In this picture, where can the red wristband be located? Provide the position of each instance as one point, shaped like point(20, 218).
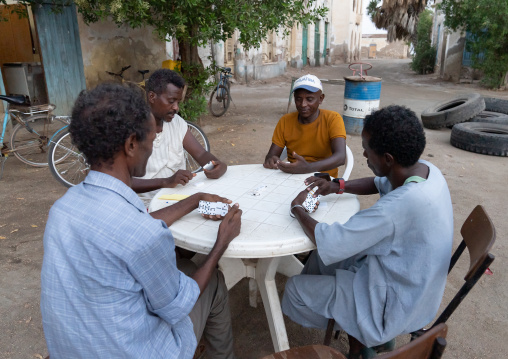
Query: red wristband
point(342, 184)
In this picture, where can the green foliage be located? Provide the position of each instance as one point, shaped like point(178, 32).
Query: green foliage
point(486, 20)
point(195, 103)
point(425, 54)
point(199, 21)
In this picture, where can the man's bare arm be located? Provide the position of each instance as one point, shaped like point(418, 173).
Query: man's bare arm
point(273, 156)
point(202, 156)
point(338, 158)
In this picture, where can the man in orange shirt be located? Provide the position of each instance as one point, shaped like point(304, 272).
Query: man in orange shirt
point(315, 139)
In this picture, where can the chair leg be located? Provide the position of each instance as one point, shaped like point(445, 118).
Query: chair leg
point(329, 332)
point(355, 348)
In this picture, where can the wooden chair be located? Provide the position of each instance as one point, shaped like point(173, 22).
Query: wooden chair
point(478, 235)
point(430, 345)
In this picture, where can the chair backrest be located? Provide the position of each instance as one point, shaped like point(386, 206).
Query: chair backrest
point(478, 235)
point(308, 352)
point(430, 345)
point(349, 161)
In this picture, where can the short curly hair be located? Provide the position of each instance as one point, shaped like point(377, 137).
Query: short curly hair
point(159, 80)
point(103, 119)
point(396, 130)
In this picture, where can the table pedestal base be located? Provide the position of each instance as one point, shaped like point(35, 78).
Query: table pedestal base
point(262, 274)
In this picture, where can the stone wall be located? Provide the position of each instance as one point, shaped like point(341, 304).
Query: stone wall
point(107, 47)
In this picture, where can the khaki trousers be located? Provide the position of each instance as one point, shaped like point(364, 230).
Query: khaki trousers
point(211, 316)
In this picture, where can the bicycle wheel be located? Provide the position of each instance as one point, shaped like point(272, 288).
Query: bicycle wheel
point(219, 101)
point(66, 163)
point(192, 164)
point(29, 143)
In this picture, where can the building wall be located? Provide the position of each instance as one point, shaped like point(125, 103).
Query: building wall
point(384, 49)
point(450, 48)
point(107, 47)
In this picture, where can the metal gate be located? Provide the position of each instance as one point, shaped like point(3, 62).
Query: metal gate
point(61, 55)
point(317, 38)
point(304, 45)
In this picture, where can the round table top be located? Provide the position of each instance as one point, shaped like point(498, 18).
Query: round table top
point(267, 229)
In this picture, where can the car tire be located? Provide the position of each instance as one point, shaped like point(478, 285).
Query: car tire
point(491, 117)
point(451, 112)
point(481, 137)
point(496, 105)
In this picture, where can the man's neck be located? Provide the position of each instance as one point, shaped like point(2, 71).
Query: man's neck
point(309, 119)
point(119, 172)
point(400, 174)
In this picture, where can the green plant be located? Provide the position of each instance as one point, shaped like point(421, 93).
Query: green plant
point(195, 103)
point(425, 54)
point(486, 21)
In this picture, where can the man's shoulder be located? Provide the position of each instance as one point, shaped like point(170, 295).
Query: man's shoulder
point(289, 117)
point(329, 114)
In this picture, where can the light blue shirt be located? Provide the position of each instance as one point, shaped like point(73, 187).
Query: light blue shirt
point(390, 260)
point(109, 284)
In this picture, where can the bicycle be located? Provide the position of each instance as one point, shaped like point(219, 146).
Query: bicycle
point(68, 165)
point(221, 95)
point(119, 75)
point(31, 135)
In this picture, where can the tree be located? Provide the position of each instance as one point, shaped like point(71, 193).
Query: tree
point(399, 17)
point(486, 22)
point(195, 22)
point(425, 54)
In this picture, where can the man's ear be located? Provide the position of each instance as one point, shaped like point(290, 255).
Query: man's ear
point(131, 145)
point(390, 161)
point(321, 98)
point(151, 96)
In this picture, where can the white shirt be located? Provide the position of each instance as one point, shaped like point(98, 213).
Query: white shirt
point(167, 155)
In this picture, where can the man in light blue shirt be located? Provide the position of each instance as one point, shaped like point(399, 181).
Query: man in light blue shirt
point(383, 272)
point(110, 286)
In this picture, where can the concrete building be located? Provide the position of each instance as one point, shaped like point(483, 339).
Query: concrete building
point(376, 46)
point(334, 39)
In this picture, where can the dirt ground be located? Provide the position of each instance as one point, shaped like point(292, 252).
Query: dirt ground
point(478, 328)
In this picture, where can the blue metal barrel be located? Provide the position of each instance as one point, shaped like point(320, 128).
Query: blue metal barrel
point(361, 97)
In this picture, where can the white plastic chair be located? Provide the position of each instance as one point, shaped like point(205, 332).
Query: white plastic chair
point(349, 161)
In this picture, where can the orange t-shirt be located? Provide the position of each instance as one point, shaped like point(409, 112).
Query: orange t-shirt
point(312, 140)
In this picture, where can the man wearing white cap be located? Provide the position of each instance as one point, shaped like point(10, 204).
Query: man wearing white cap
point(315, 138)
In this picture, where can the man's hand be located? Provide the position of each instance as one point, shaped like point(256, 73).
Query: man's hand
point(216, 172)
point(180, 177)
point(230, 227)
point(271, 162)
point(299, 166)
point(324, 187)
point(300, 198)
point(213, 198)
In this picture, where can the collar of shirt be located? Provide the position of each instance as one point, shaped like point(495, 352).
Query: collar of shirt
point(104, 180)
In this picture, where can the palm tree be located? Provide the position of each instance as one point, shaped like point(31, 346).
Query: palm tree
point(399, 17)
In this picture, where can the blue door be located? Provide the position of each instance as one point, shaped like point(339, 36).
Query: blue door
point(304, 45)
point(61, 55)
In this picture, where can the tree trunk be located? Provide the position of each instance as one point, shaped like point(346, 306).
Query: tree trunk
point(191, 62)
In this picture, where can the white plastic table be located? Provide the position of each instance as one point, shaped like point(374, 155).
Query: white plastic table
point(268, 233)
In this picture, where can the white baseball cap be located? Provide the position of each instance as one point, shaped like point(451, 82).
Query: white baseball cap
point(308, 82)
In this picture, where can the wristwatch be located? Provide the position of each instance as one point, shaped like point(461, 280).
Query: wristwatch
point(342, 184)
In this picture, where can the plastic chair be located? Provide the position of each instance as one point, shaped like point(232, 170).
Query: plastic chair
point(478, 235)
point(349, 161)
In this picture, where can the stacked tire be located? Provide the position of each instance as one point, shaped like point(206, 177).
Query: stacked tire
point(478, 124)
